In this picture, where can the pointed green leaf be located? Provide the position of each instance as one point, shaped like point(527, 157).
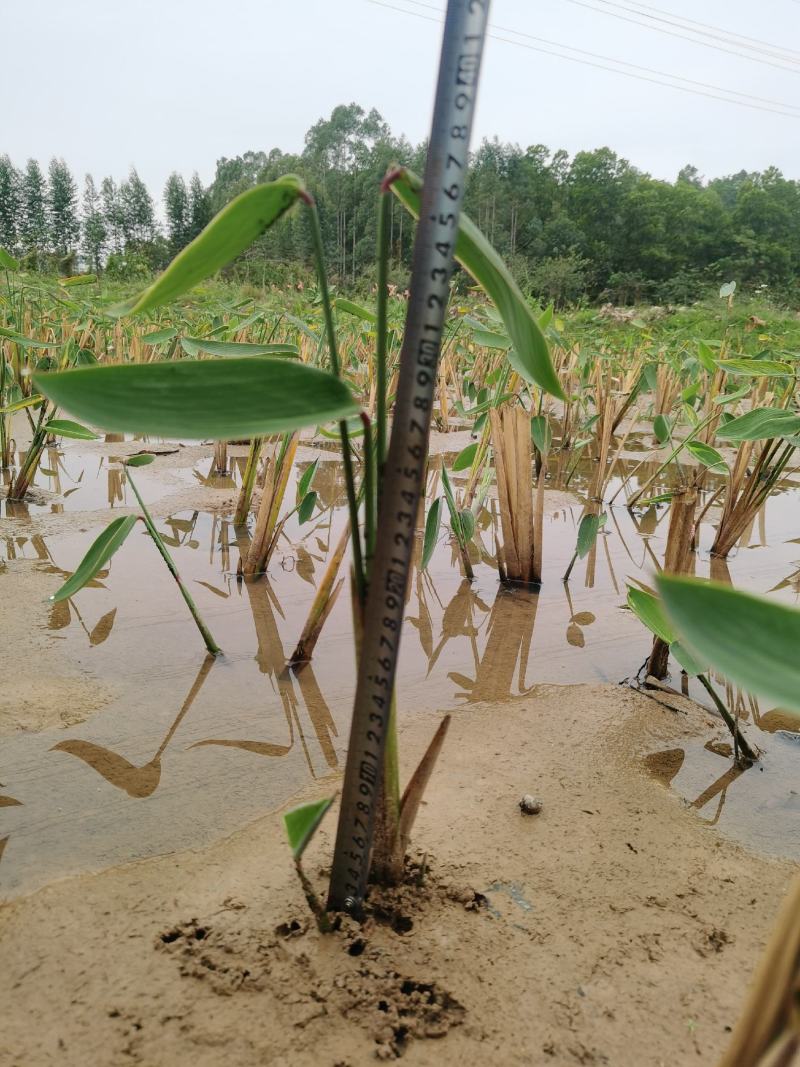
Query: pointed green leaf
point(706, 357)
point(530, 356)
point(142, 460)
point(301, 824)
point(648, 610)
point(25, 402)
point(228, 234)
point(542, 434)
point(307, 478)
point(7, 261)
point(690, 664)
point(588, 530)
point(486, 339)
point(465, 457)
point(432, 526)
point(77, 279)
point(193, 346)
point(707, 455)
point(98, 555)
point(67, 428)
point(661, 429)
point(757, 368)
point(467, 522)
point(750, 639)
point(307, 505)
point(221, 399)
point(158, 337)
point(357, 310)
point(761, 424)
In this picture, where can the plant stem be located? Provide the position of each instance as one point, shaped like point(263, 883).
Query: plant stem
point(210, 643)
point(384, 227)
point(347, 456)
point(738, 736)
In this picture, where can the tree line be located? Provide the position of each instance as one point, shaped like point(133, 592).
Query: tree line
point(591, 225)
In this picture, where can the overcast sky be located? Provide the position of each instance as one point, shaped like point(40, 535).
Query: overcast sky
point(174, 84)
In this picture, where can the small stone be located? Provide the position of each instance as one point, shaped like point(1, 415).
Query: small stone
point(530, 805)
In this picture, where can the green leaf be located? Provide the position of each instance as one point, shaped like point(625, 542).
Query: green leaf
point(764, 368)
point(28, 342)
point(357, 310)
point(228, 234)
point(432, 526)
point(486, 339)
point(221, 399)
point(588, 530)
point(530, 356)
point(707, 455)
point(691, 665)
point(301, 824)
point(66, 428)
point(98, 555)
point(661, 429)
point(761, 424)
point(25, 402)
point(307, 478)
point(7, 261)
point(750, 639)
point(158, 337)
point(193, 346)
point(465, 457)
point(467, 522)
point(648, 610)
point(542, 434)
point(77, 279)
point(706, 357)
point(307, 505)
point(143, 460)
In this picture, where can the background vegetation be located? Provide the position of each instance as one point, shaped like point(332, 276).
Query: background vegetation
point(591, 226)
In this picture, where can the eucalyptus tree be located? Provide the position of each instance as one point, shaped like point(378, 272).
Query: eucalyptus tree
point(33, 214)
point(94, 232)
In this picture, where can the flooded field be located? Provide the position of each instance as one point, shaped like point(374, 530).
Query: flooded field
point(187, 750)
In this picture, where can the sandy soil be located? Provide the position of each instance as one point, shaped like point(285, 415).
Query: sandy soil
point(613, 928)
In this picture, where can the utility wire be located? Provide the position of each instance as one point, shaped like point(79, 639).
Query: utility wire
point(600, 62)
point(682, 36)
point(790, 54)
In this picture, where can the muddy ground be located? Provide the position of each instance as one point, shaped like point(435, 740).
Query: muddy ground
point(612, 928)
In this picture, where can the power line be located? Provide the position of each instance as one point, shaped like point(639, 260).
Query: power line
point(600, 62)
point(791, 54)
point(682, 36)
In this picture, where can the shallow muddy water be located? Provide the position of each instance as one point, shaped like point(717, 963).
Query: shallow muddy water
point(191, 749)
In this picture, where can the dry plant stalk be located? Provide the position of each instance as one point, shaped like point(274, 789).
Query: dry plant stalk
point(520, 558)
point(748, 488)
point(265, 535)
point(768, 1031)
point(677, 560)
point(327, 592)
point(221, 457)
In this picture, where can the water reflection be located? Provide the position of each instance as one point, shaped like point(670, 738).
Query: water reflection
point(141, 781)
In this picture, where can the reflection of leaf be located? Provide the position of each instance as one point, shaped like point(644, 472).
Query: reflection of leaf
point(305, 565)
point(119, 772)
point(575, 636)
point(9, 802)
point(59, 616)
point(462, 680)
point(3, 843)
point(583, 618)
point(213, 589)
point(260, 748)
point(103, 628)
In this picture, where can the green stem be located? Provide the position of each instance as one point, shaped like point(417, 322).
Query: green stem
point(370, 496)
point(384, 229)
point(210, 643)
point(347, 456)
point(738, 736)
point(248, 481)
